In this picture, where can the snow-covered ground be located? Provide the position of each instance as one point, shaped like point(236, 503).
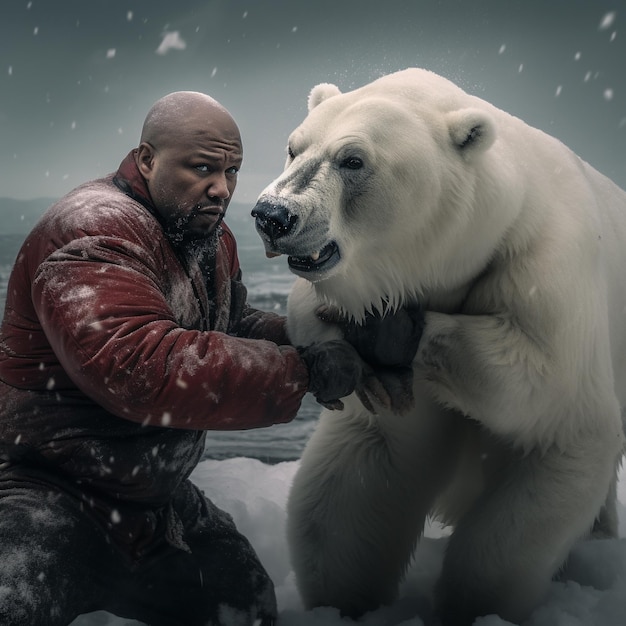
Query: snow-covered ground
point(255, 495)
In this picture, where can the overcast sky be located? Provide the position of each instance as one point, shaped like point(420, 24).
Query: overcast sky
point(77, 76)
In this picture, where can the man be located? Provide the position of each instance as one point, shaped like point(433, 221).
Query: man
point(126, 336)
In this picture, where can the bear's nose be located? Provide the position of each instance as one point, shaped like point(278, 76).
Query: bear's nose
point(274, 220)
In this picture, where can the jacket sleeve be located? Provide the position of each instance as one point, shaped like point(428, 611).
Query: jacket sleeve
point(263, 325)
point(99, 302)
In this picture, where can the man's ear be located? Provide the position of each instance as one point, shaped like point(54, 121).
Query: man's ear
point(144, 157)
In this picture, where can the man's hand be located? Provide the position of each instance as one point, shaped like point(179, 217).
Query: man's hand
point(336, 370)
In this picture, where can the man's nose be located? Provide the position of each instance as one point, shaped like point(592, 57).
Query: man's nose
point(218, 187)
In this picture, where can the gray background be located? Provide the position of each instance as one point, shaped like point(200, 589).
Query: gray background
point(77, 77)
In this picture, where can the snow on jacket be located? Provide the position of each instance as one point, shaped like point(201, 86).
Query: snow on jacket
point(116, 356)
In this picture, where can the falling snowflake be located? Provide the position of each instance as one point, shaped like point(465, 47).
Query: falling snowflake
point(607, 20)
point(502, 49)
point(171, 41)
point(129, 16)
point(558, 90)
point(110, 53)
point(608, 94)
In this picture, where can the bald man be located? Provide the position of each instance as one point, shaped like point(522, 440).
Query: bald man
point(126, 336)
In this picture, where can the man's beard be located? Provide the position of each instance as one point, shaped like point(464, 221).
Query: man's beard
point(179, 233)
point(201, 248)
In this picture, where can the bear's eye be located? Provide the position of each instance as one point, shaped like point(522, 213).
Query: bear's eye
point(290, 153)
point(352, 163)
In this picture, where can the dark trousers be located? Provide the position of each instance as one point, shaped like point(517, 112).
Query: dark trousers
point(57, 562)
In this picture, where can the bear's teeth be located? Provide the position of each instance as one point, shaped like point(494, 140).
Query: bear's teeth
point(315, 256)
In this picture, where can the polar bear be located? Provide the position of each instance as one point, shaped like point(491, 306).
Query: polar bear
point(407, 190)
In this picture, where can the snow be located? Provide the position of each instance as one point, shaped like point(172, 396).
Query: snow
point(607, 20)
point(171, 41)
point(592, 592)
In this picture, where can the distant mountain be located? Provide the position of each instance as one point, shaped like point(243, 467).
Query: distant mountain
point(17, 217)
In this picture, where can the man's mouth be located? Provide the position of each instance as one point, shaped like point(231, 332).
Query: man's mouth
point(320, 261)
point(213, 210)
point(211, 216)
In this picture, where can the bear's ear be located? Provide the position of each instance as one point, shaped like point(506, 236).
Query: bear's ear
point(321, 92)
point(471, 130)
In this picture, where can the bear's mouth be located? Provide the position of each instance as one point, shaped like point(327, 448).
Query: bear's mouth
point(321, 261)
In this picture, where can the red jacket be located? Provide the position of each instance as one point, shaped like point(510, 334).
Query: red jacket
point(115, 354)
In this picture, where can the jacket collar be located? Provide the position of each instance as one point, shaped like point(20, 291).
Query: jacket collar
point(129, 180)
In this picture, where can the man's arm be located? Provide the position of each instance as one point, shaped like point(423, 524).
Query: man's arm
point(111, 328)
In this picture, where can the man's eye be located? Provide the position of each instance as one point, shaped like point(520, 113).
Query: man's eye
point(202, 168)
point(232, 170)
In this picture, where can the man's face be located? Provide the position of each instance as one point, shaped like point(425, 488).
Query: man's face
point(191, 179)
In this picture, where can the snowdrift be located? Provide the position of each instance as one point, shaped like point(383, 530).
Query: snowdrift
point(592, 592)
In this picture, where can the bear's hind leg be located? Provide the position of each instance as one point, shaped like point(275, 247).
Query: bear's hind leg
point(505, 551)
point(607, 522)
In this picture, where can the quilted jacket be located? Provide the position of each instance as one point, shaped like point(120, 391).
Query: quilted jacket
point(119, 350)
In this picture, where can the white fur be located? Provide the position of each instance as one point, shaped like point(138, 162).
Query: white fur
point(517, 249)
point(320, 93)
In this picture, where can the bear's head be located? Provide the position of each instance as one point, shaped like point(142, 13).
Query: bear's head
point(381, 200)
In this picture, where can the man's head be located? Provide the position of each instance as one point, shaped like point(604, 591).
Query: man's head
point(189, 154)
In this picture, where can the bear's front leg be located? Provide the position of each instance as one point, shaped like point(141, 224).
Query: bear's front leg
point(303, 325)
point(359, 499)
point(531, 388)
